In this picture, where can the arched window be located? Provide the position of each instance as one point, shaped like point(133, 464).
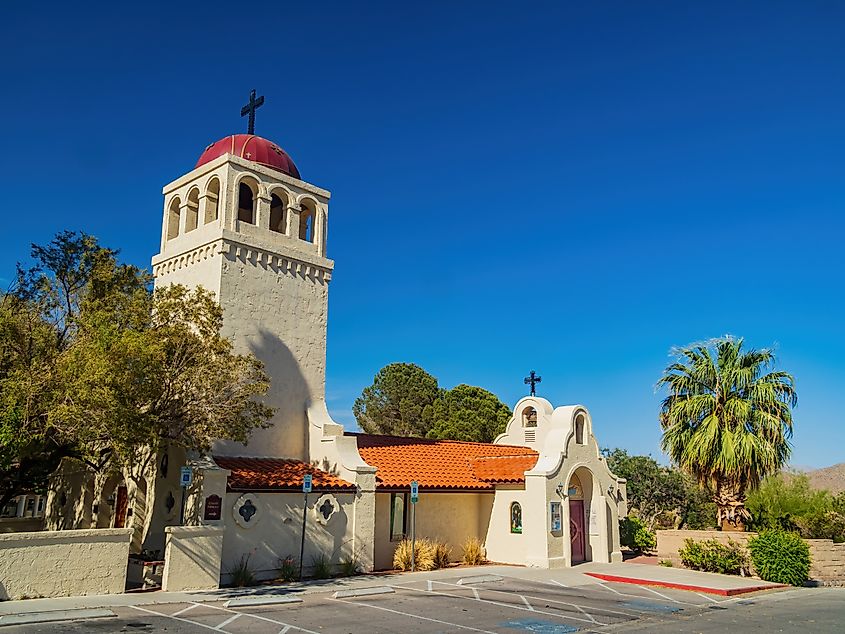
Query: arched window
point(193, 210)
point(173, 218)
point(306, 221)
point(277, 214)
point(516, 517)
point(579, 429)
point(529, 417)
point(212, 196)
point(246, 203)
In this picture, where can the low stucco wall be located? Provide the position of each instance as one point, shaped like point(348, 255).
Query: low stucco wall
point(827, 560)
point(192, 558)
point(63, 563)
point(21, 524)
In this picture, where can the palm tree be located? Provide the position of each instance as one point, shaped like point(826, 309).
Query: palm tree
point(727, 421)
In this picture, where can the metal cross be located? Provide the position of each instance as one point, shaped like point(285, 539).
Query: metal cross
point(250, 109)
point(532, 380)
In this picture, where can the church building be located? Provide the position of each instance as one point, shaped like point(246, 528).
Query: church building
point(246, 225)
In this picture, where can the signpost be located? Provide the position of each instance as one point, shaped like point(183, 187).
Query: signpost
point(415, 496)
point(306, 489)
point(186, 477)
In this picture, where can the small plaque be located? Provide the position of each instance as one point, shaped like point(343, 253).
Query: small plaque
point(186, 476)
point(213, 507)
point(555, 517)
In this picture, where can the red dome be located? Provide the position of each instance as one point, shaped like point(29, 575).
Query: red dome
point(253, 148)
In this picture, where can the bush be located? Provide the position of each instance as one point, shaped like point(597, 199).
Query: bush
point(710, 555)
point(423, 555)
point(321, 567)
point(242, 574)
point(821, 525)
point(441, 554)
point(350, 566)
point(634, 535)
point(473, 553)
point(288, 569)
point(781, 557)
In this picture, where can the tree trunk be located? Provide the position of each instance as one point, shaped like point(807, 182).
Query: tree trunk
point(730, 504)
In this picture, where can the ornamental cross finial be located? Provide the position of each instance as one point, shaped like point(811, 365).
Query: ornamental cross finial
point(532, 380)
point(250, 109)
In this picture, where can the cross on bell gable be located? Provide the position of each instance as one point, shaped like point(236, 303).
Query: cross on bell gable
point(532, 379)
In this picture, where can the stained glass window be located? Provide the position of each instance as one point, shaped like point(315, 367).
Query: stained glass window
point(516, 517)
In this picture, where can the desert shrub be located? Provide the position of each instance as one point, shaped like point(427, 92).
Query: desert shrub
point(423, 555)
point(781, 557)
point(241, 573)
point(321, 567)
point(634, 534)
point(822, 525)
point(442, 554)
point(288, 568)
point(350, 566)
point(781, 501)
point(710, 555)
point(473, 553)
point(666, 563)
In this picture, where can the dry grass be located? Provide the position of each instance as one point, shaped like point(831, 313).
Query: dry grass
point(473, 552)
point(441, 554)
point(423, 557)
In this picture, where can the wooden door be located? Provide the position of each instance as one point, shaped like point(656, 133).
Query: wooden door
point(576, 530)
point(120, 507)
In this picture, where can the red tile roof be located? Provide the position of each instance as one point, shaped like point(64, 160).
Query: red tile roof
point(273, 474)
point(443, 464)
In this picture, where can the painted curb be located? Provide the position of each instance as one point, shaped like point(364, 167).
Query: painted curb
point(31, 618)
point(723, 592)
point(463, 581)
point(362, 592)
point(243, 602)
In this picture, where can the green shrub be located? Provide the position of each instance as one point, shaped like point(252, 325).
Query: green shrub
point(321, 567)
point(822, 525)
point(781, 557)
point(350, 566)
point(710, 555)
point(288, 569)
point(242, 574)
point(666, 563)
point(634, 535)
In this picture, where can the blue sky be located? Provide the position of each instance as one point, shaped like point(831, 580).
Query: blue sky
point(568, 187)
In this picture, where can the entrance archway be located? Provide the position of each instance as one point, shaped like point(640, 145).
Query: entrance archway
point(579, 493)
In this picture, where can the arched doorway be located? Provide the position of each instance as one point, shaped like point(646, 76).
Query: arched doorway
point(579, 493)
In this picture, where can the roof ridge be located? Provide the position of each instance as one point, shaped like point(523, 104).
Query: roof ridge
point(434, 440)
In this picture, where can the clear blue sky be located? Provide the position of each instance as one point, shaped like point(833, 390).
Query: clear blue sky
point(568, 187)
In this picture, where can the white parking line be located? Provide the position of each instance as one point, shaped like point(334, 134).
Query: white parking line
point(704, 596)
point(261, 618)
point(175, 618)
point(659, 594)
point(227, 621)
point(183, 610)
point(530, 607)
point(601, 584)
point(415, 616)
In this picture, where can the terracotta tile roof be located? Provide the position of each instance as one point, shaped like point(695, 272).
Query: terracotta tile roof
point(443, 464)
point(275, 474)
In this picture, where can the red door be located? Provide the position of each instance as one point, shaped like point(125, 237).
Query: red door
point(576, 530)
point(120, 508)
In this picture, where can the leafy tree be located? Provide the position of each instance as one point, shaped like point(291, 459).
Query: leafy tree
point(468, 413)
point(727, 420)
point(95, 365)
point(658, 495)
point(400, 401)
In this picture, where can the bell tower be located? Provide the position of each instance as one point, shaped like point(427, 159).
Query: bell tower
point(244, 225)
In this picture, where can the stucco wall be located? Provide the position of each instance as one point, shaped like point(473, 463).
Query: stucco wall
point(192, 558)
point(276, 529)
point(21, 524)
point(447, 517)
point(64, 563)
point(502, 545)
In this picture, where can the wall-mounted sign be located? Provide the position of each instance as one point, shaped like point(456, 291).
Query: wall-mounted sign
point(415, 492)
point(213, 507)
point(555, 517)
point(306, 483)
point(594, 522)
point(186, 476)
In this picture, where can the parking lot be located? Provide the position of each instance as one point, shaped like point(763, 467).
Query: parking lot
point(500, 604)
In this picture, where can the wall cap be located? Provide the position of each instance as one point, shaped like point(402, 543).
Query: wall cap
point(193, 531)
point(67, 535)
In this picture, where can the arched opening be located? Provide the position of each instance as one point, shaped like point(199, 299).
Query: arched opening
point(278, 206)
point(529, 417)
point(516, 518)
point(306, 221)
point(246, 202)
point(212, 196)
point(192, 213)
point(173, 218)
point(580, 424)
point(579, 494)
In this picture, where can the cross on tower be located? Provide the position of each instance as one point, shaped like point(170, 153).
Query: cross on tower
point(250, 109)
point(532, 380)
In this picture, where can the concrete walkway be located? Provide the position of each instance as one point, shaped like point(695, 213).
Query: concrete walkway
point(40, 610)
